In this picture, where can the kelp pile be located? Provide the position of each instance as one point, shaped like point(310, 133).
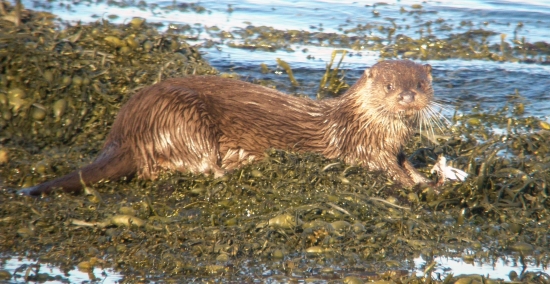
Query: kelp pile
point(287, 218)
point(471, 44)
point(392, 41)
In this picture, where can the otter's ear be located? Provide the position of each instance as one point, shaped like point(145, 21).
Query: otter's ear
point(428, 68)
point(368, 73)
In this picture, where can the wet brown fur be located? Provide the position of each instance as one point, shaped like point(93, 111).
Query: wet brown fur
point(208, 124)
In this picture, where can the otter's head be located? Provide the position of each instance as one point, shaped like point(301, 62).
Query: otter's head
point(400, 87)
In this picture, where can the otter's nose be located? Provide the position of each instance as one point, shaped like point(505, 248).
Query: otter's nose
point(406, 97)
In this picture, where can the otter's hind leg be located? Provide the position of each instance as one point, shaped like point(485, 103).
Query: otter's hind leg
point(195, 140)
point(177, 133)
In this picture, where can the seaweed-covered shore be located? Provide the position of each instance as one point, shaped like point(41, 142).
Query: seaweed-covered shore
point(288, 218)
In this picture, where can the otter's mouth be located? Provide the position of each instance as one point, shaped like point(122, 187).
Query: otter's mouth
point(405, 114)
point(408, 108)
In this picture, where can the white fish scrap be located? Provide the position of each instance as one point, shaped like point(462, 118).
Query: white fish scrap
point(446, 172)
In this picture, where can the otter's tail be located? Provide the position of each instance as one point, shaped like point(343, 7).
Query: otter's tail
point(112, 164)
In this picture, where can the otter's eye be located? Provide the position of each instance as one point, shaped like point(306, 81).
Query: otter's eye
point(420, 85)
point(389, 87)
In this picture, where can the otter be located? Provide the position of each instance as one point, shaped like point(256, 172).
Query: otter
point(212, 125)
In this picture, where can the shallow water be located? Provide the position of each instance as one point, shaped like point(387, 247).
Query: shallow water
point(498, 269)
point(27, 270)
point(460, 83)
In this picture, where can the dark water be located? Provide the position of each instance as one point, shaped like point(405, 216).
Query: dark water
point(463, 83)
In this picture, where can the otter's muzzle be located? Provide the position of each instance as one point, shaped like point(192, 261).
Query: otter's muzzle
point(406, 97)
